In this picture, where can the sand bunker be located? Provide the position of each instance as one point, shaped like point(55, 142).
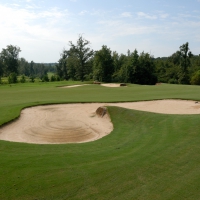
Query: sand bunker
point(68, 123)
point(72, 86)
point(106, 85)
point(111, 85)
point(77, 123)
point(164, 106)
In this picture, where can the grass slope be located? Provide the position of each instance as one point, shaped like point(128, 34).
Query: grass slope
point(147, 156)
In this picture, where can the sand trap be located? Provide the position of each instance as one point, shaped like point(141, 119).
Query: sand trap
point(111, 85)
point(164, 106)
point(72, 86)
point(77, 123)
point(66, 123)
point(106, 85)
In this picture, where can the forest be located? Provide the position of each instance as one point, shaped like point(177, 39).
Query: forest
point(80, 62)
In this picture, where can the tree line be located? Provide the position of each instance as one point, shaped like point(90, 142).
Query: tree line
point(182, 67)
point(11, 66)
point(80, 62)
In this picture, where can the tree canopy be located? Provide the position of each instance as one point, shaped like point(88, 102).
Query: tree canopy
point(81, 53)
point(74, 63)
point(103, 65)
point(9, 59)
point(80, 62)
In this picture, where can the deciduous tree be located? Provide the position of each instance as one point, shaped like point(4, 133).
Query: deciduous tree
point(9, 57)
point(103, 65)
point(144, 73)
point(62, 65)
point(185, 55)
point(196, 78)
point(82, 52)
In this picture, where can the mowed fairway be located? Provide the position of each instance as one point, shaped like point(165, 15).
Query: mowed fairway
point(147, 156)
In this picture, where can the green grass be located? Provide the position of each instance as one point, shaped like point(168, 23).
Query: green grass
point(50, 74)
point(4, 80)
point(147, 156)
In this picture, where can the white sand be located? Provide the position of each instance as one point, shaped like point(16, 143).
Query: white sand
point(77, 123)
point(66, 123)
point(106, 85)
point(72, 86)
point(111, 85)
point(164, 106)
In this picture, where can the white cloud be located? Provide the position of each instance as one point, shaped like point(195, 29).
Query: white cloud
point(37, 29)
point(147, 16)
point(116, 28)
point(53, 13)
point(163, 15)
point(156, 15)
point(83, 12)
point(16, 5)
point(29, 28)
point(126, 14)
point(98, 13)
point(26, 21)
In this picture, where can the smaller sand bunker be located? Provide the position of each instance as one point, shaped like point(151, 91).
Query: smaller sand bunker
point(72, 86)
point(98, 83)
point(114, 85)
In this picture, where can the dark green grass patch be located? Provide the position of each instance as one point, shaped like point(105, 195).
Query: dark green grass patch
point(147, 156)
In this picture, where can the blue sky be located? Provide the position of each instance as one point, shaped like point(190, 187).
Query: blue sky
point(43, 28)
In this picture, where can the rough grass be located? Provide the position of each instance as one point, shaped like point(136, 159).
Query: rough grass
point(147, 156)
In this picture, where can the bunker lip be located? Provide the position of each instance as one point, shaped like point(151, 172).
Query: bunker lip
point(78, 123)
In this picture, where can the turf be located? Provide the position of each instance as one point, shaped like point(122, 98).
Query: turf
point(147, 156)
point(15, 97)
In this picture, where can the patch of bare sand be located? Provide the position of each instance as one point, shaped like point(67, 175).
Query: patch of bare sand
point(72, 86)
point(66, 123)
point(164, 106)
point(77, 123)
point(111, 85)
